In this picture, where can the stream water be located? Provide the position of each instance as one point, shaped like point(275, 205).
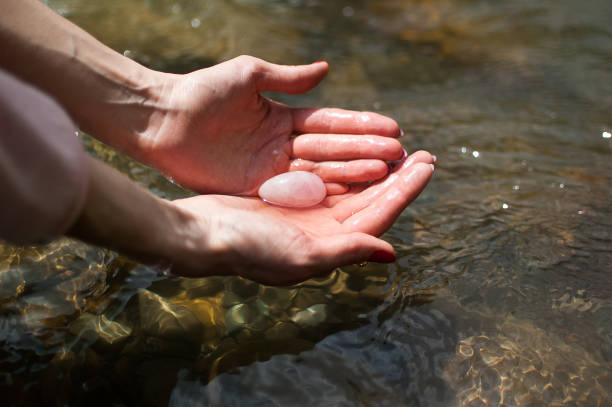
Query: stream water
point(502, 290)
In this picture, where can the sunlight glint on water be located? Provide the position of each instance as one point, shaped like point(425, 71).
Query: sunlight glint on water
point(502, 288)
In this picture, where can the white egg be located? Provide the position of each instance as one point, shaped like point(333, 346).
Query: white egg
point(296, 189)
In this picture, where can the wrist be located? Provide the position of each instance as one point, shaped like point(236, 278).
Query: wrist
point(192, 248)
point(179, 239)
point(122, 113)
point(142, 126)
point(123, 216)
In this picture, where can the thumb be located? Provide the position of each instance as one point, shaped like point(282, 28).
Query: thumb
point(350, 248)
point(290, 79)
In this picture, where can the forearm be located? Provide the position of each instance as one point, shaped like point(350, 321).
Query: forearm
point(107, 94)
point(125, 217)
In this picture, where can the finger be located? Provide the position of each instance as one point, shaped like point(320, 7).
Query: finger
point(377, 217)
point(331, 120)
point(330, 252)
point(334, 188)
point(343, 171)
point(331, 201)
point(286, 78)
point(361, 196)
point(327, 147)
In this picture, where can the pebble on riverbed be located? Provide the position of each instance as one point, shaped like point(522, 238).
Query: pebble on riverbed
point(296, 189)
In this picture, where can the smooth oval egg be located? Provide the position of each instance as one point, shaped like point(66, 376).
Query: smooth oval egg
point(295, 189)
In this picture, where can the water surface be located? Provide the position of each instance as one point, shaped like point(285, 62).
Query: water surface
point(502, 292)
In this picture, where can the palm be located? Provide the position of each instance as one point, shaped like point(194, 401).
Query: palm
point(286, 245)
point(225, 137)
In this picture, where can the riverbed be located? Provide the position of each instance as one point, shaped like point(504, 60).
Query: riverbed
point(502, 289)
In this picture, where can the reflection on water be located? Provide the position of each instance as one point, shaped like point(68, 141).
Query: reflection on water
point(501, 294)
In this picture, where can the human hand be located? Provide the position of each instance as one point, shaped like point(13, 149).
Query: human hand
point(209, 130)
point(213, 131)
point(281, 246)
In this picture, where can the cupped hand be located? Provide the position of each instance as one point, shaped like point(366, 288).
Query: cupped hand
point(281, 246)
point(215, 133)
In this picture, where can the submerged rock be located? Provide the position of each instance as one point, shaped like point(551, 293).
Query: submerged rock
point(311, 316)
point(237, 317)
point(99, 327)
point(523, 365)
point(161, 318)
point(252, 316)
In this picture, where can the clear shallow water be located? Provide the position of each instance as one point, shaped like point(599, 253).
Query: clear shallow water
point(501, 294)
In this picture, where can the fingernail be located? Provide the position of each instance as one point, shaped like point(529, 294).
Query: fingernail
point(432, 167)
point(401, 133)
point(434, 158)
point(382, 256)
point(395, 163)
point(318, 62)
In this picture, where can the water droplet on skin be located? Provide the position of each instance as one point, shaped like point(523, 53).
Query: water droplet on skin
point(338, 115)
point(393, 196)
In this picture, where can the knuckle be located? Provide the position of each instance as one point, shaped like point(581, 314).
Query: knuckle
point(250, 66)
point(300, 164)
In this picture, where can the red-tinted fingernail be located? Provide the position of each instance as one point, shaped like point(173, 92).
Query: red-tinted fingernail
point(382, 256)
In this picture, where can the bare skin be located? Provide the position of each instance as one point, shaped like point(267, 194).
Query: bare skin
point(209, 130)
point(212, 131)
point(230, 235)
point(243, 138)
